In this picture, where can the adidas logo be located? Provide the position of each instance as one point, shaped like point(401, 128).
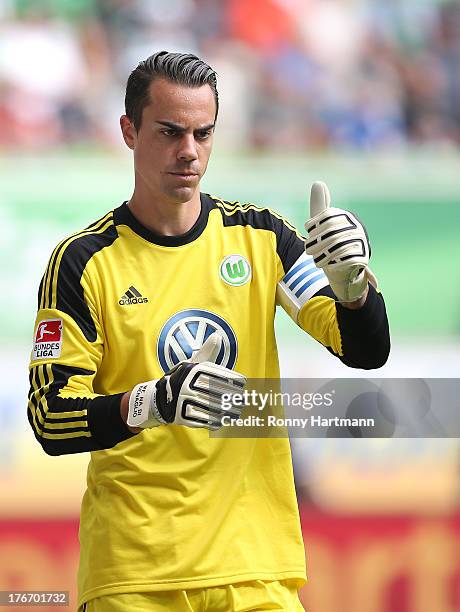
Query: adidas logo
point(132, 296)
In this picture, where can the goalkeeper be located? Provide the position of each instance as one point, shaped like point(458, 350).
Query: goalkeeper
point(150, 315)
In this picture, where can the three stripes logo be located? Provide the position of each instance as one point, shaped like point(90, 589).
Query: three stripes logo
point(132, 296)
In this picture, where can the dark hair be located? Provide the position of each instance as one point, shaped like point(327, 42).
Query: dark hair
point(181, 68)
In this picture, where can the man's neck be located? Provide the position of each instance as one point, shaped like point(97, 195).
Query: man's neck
point(166, 218)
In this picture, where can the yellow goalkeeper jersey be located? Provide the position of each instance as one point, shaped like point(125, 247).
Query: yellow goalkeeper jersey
point(171, 507)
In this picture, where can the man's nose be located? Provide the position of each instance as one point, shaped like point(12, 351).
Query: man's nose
point(187, 150)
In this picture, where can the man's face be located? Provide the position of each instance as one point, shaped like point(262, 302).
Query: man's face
point(173, 144)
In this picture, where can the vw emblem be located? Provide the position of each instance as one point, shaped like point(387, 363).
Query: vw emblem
point(186, 331)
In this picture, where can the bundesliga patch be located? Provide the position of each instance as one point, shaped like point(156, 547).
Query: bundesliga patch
point(48, 339)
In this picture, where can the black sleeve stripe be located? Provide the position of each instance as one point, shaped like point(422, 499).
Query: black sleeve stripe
point(59, 407)
point(39, 387)
point(56, 416)
point(97, 224)
point(72, 425)
point(228, 206)
point(47, 275)
point(56, 266)
point(232, 207)
point(365, 333)
point(289, 243)
point(45, 282)
point(59, 434)
point(45, 288)
point(33, 401)
point(68, 289)
point(40, 291)
point(60, 253)
point(42, 383)
point(31, 396)
point(46, 382)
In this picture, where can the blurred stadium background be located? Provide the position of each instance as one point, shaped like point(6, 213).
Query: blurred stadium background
point(364, 94)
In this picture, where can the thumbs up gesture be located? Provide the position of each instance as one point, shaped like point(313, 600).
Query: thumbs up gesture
point(339, 244)
point(196, 392)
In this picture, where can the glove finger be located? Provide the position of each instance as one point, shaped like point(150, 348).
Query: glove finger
point(320, 198)
point(354, 243)
point(354, 251)
point(222, 371)
point(210, 349)
point(206, 400)
point(332, 220)
point(348, 251)
point(215, 388)
point(200, 424)
point(219, 375)
point(329, 264)
point(205, 424)
point(334, 237)
point(193, 414)
point(201, 408)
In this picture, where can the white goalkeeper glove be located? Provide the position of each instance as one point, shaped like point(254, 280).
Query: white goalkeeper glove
point(188, 394)
point(339, 244)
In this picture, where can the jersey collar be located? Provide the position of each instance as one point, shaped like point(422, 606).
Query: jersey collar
point(123, 216)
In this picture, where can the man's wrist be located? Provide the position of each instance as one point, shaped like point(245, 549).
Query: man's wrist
point(124, 407)
point(357, 304)
point(142, 409)
point(105, 420)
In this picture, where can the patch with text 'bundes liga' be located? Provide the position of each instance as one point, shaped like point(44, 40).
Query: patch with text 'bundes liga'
point(48, 339)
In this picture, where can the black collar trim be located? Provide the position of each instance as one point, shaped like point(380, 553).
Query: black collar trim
point(123, 216)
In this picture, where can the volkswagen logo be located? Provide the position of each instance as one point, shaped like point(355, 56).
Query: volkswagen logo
point(186, 331)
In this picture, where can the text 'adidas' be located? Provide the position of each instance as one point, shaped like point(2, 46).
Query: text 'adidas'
point(132, 296)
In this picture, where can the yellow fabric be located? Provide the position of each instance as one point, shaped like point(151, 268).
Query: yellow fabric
point(148, 498)
point(318, 318)
point(256, 595)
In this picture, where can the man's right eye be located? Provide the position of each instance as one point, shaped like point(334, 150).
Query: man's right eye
point(169, 132)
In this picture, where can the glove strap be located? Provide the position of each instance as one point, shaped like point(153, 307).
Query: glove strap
point(142, 410)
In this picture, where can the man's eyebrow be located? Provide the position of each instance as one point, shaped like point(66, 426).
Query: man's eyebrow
point(206, 128)
point(180, 128)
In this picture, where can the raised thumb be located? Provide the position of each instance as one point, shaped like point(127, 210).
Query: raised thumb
point(210, 349)
point(320, 198)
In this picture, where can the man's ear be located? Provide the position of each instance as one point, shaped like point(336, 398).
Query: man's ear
point(129, 131)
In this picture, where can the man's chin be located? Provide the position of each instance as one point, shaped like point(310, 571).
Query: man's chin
point(183, 193)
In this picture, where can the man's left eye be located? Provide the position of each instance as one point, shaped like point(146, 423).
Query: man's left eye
point(203, 135)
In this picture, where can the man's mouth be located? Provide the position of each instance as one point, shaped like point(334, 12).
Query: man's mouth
point(186, 176)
